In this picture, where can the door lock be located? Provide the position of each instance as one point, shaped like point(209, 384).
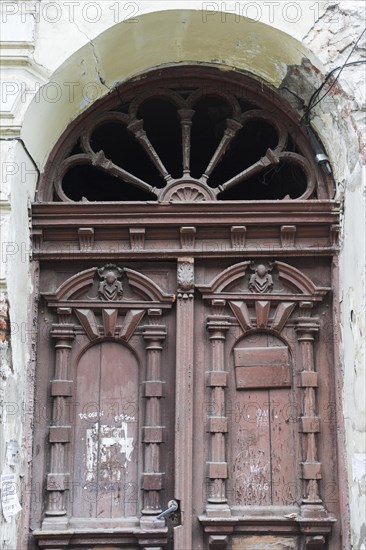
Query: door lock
point(172, 507)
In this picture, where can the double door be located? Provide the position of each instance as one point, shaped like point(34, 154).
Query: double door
point(194, 381)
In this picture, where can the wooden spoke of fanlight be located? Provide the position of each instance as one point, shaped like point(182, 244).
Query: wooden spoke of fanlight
point(137, 129)
point(102, 163)
point(186, 123)
point(232, 128)
point(272, 159)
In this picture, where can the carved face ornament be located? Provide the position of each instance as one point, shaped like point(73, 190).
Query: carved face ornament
point(110, 288)
point(261, 280)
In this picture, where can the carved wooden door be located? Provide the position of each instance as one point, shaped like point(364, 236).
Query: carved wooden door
point(108, 378)
point(263, 412)
point(187, 353)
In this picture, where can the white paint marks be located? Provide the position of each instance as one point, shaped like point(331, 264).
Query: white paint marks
point(91, 415)
point(126, 417)
point(262, 418)
point(104, 444)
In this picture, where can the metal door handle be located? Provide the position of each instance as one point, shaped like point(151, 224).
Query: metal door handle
point(172, 507)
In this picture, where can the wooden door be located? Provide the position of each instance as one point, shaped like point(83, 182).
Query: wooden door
point(203, 235)
point(259, 436)
point(106, 369)
point(208, 396)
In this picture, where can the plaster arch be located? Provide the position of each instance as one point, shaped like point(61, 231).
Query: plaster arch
point(96, 69)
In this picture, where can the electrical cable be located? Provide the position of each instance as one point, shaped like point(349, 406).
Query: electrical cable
point(320, 156)
point(311, 103)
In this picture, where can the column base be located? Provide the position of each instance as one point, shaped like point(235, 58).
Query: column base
point(219, 510)
point(148, 523)
point(55, 523)
point(313, 511)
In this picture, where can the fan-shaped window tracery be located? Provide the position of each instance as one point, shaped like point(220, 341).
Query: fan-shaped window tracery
point(197, 143)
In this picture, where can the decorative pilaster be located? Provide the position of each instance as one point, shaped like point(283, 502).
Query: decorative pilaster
point(153, 432)
point(217, 423)
point(184, 401)
point(306, 329)
point(60, 430)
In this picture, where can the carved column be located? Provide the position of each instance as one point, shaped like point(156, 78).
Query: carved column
point(306, 329)
point(184, 401)
point(60, 430)
point(217, 471)
point(153, 431)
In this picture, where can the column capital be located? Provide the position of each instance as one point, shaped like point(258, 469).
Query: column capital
point(219, 324)
point(154, 332)
point(305, 325)
point(62, 332)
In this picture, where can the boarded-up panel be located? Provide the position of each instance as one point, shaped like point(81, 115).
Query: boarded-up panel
point(262, 367)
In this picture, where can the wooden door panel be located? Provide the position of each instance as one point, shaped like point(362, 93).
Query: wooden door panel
point(85, 473)
point(262, 430)
point(251, 450)
point(106, 432)
point(285, 448)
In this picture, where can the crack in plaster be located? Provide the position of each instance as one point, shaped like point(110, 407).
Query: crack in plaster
point(96, 59)
point(42, 70)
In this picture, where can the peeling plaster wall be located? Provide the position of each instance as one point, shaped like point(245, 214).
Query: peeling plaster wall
point(16, 378)
point(40, 43)
point(348, 120)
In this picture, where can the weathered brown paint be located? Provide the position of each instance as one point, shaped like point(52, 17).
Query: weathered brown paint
point(245, 454)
